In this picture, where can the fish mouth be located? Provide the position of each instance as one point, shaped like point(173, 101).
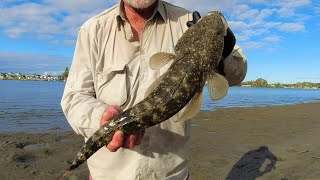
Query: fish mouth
point(213, 12)
point(223, 19)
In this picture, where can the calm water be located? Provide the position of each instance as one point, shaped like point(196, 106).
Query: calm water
point(33, 106)
point(249, 97)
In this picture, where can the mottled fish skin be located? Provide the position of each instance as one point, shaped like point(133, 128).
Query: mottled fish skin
point(197, 52)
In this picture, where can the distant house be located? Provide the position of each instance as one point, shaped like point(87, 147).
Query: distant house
point(12, 76)
point(29, 77)
point(44, 77)
point(47, 77)
point(35, 76)
point(54, 78)
point(19, 75)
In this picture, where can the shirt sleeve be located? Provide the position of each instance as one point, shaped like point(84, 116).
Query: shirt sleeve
point(235, 66)
point(79, 104)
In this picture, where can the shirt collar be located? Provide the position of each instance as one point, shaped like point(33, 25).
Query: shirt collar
point(158, 9)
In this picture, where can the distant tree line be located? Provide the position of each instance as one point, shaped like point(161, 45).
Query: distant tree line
point(264, 83)
point(65, 74)
point(35, 77)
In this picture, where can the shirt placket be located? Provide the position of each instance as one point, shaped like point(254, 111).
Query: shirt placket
point(144, 163)
point(145, 74)
point(143, 79)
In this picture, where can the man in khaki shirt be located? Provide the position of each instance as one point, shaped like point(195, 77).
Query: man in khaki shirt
point(110, 73)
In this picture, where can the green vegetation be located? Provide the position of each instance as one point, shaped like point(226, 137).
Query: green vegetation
point(264, 83)
point(65, 74)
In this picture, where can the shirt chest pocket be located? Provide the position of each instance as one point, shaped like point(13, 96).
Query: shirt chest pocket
point(112, 85)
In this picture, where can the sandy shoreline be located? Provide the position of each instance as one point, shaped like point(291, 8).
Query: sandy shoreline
point(278, 142)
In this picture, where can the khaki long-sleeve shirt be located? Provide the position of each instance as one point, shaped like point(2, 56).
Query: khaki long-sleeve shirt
point(110, 68)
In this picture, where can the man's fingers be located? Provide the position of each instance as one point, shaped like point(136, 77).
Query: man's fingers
point(130, 141)
point(118, 108)
point(109, 113)
point(116, 142)
point(134, 140)
point(118, 139)
point(139, 137)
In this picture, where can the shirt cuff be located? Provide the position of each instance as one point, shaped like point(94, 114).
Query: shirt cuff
point(88, 130)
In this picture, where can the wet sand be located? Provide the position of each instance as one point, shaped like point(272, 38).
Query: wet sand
point(279, 142)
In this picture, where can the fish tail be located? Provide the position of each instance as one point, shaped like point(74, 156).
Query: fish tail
point(99, 139)
point(67, 173)
point(93, 144)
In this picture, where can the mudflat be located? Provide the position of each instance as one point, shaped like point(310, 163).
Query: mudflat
point(276, 142)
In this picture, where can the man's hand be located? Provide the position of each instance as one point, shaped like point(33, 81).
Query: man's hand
point(119, 140)
point(195, 18)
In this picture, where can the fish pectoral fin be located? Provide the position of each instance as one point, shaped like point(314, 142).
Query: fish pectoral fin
point(158, 60)
point(218, 86)
point(153, 86)
point(192, 108)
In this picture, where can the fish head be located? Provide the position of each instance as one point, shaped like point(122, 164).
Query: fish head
point(212, 27)
point(210, 22)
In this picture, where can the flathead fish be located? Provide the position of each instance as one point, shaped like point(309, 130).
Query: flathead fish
point(197, 55)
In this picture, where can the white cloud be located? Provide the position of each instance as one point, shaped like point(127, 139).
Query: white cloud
point(288, 7)
point(29, 18)
point(31, 62)
point(45, 36)
point(317, 10)
point(50, 18)
point(246, 35)
point(291, 27)
point(47, 18)
point(252, 45)
point(272, 38)
point(69, 42)
point(254, 20)
point(14, 32)
point(293, 4)
point(76, 6)
point(239, 25)
point(243, 12)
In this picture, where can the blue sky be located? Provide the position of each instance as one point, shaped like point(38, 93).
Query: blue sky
point(280, 38)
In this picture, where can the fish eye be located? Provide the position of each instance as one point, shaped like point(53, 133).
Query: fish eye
point(210, 13)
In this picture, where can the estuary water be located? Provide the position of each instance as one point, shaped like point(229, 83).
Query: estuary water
point(34, 106)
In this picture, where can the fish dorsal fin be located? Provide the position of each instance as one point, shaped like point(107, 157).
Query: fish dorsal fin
point(153, 86)
point(193, 107)
point(218, 86)
point(158, 60)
